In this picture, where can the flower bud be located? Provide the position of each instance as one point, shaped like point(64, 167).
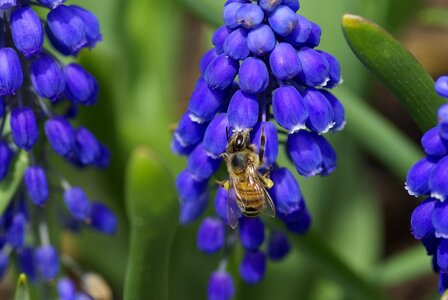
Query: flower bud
point(271, 142)
point(11, 76)
point(24, 128)
point(201, 164)
point(278, 245)
point(60, 135)
point(417, 180)
point(315, 68)
point(87, 147)
point(218, 39)
point(91, 25)
point(253, 76)
point(235, 45)
point(221, 72)
point(27, 31)
point(320, 111)
point(243, 111)
point(284, 62)
point(211, 235)
point(189, 132)
point(251, 233)
point(302, 223)
point(66, 289)
point(435, 214)
point(207, 59)
point(286, 194)
point(442, 116)
point(249, 15)
point(103, 160)
point(261, 40)
point(305, 153)
point(289, 108)
point(269, 5)
point(253, 267)
point(6, 155)
point(338, 110)
point(47, 78)
point(66, 30)
point(204, 102)
point(441, 86)
point(433, 144)
point(77, 203)
point(229, 14)
point(221, 199)
point(189, 188)
point(47, 262)
point(103, 219)
point(442, 256)
point(220, 286)
point(36, 185)
point(328, 155)
point(438, 180)
point(51, 3)
point(26, 262)
point(421, 219)
point(282, 20)
point(192, 210)
point(15, 236)
point(334, 69)
point(299, 36)
point(292, 4)
point(80, 86)
point(314, 38)
point(177, 148)
point(7, 4)
point(215, 139)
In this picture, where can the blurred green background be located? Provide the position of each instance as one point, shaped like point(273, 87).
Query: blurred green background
point(147, 67)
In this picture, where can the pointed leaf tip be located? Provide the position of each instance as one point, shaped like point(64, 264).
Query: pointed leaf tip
point(22, 292)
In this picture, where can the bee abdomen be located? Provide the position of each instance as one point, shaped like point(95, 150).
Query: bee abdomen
point(252, 202)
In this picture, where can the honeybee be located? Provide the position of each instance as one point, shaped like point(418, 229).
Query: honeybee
point(246, 185)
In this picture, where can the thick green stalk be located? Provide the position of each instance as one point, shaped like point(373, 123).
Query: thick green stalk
point(152, 210)
point(10, 184)
point(22, 291)
point(390, 62)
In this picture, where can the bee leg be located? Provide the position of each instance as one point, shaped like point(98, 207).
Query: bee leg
point(266, 181)
point(224, 155)
point(262, 145)
point(225, 184)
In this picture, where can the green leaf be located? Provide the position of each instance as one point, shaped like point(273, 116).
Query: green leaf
point(209, 11)
point(388, 60)
point(22, 292)
point(378, 135)
point(152, 210)
point(10, 184)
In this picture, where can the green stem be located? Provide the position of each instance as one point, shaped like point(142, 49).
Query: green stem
point(152, 211)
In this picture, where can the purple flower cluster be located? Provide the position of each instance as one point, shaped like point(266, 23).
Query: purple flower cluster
point(429, 178)
point(263, 67)
point(39, 95)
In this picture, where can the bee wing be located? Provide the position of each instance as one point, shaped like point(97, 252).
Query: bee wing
point(233, 209)
point(255, 183)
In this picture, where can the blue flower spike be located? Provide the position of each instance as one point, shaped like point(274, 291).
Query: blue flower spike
point(262, 88)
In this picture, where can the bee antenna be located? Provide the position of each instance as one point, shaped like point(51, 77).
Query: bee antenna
point(227, 133)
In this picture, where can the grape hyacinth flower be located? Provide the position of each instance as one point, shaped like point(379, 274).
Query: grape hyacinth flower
point(429, 178)
point(263, 75)
point(37, 93)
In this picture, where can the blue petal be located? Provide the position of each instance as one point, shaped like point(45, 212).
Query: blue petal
point(47, 262)
point(204, 102)
point(271, 142)
point(253, 76)
point(261, 40)
point(441, 86)
point(320, 111)
point(218, 39)
point(315, 68)
point(284, 62)
point(36, 185)
point(282, 20)
point(422, 219)
point(249, 15)
point(211, 235)
point(305, 153)
point(438, 180)
point(417, 180)
point(289, 108)
point(251, 233)
point(253, 267)
point(24, 128)
point(243, 111)
point(220, 286)
point(27, 31)
point(11, 76)
point(278, 245)
point(201, 164)
point(215, 139)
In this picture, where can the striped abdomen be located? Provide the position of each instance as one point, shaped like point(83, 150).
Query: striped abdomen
point(250, 199)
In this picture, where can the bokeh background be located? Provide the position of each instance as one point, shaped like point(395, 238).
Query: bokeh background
point(147, 65)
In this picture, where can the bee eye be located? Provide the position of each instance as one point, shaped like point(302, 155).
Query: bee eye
point(239, 142)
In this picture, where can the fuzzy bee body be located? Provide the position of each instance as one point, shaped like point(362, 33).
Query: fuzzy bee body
point(246, 185)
